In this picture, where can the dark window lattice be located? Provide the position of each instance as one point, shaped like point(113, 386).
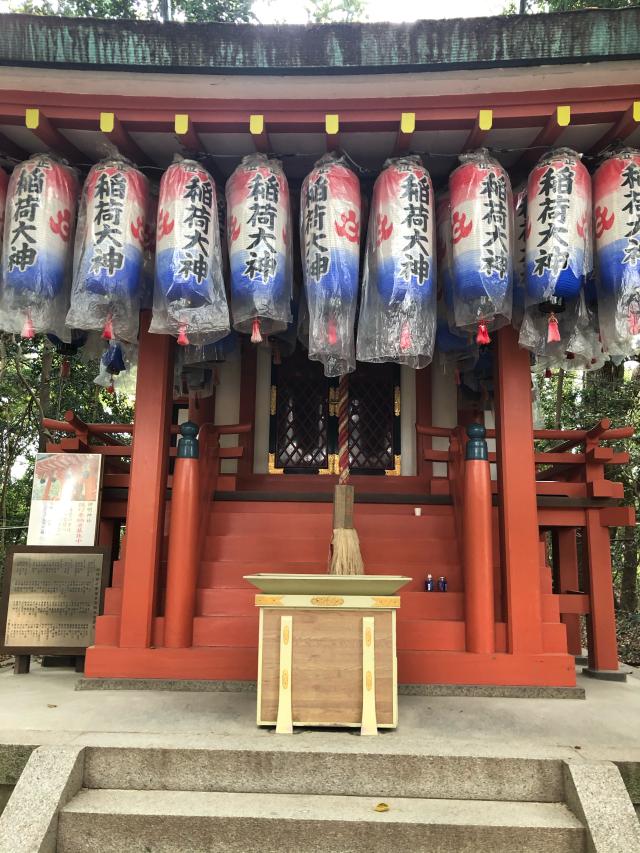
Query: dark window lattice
point(302, 411)
point(371, 390)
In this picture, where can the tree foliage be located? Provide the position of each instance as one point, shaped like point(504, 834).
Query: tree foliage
point(221, 11)
point(32, 384)
point(336, 11)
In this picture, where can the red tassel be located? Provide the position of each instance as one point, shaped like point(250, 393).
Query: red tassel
point(111, 389)
point(405, 338)
point(548, 374)
point(183, 340)
point(277, 357)
point(27, 329)
point(107, 332)
point(634, 323)
point(482, 337)
point(553, 332)
point(256, 337)
point(332, 332)
point(65, 369)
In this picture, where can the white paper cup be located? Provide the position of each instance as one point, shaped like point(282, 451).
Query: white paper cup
point(417, 510)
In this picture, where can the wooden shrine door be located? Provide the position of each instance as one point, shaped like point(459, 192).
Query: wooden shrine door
point(303, 435)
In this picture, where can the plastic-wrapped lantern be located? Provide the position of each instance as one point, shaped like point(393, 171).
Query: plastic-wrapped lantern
point(259, 237)
point(189, 298)
point(4, 182)
point(482, 234)
point(449, 340)
point(519, 255)
point(330, 243)
point(616, 202)
point(149, 265)
point(108, 266)
point(558, 242)
point(398, 313)
point(39, 217)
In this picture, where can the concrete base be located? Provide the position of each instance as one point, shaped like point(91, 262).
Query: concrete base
point(194, 686)
point(605, 674)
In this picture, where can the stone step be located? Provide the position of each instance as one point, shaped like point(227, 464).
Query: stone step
point(359, 769)
point(187, 821)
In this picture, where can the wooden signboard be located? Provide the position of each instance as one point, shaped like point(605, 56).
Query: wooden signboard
point(51, 598)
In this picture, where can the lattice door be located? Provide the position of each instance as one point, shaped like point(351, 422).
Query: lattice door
point(303, 437)
point(299, 416)
point(374, 429)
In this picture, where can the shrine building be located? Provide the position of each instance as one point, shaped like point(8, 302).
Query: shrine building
point(258, 493)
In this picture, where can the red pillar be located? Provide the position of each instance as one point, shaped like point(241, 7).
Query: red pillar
point(147, 485)
point(518, 514)
point(567, 555)
point(184, 556)
point(478, 545)
point(601, 622)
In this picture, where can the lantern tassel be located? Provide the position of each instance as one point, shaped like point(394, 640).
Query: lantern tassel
point(107, 332)
point(332, 332)
point(482, 338)
point(183, 340)
point(256, 337)
point(405, 338)
point(27, 329)
point(111, 389)
point(553, 332)
point(65, 369)
point(634, 323)
point(548, 374)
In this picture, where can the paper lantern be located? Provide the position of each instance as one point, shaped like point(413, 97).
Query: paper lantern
point(558, 242)
point(482, 234)
point(330, 216)
point(616, 204)
point(39, 220)
point(189, 298)
point(4, 183)
point(452, 343)
point(259, 241)
point(519, 255)
point(110, 244)
point(398, 313)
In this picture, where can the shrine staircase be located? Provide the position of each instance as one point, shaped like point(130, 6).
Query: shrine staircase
point(249, 536)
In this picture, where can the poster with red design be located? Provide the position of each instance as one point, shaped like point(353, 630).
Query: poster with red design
point(65, 499)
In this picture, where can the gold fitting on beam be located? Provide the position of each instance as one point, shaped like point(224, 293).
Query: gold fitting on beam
point(407, 123)
point(563, 116)
point(332, 124)
point(107, 122)
point(256, 125)
point(485, 119)
point(32, 118)
point(181, 124)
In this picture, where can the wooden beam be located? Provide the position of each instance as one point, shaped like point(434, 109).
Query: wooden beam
point(405, 133)
point(479, 131)
point(332, 131)
point(258, 131)
point(187, 134)
point(116, 133)
point(548, 136)
point(622, 129)
point(38, 123)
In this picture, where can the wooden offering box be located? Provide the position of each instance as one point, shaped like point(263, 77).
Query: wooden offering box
point(327, 651)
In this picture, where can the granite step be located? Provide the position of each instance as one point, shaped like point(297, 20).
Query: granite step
point(221, 822)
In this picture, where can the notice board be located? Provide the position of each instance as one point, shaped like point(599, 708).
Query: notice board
point(51, 598)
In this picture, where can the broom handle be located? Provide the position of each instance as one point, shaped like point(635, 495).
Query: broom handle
point(343, 429)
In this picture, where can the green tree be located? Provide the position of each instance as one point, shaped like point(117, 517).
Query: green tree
point(226, 11)
point(33, 384)
point(532, 6)
point(336, 11)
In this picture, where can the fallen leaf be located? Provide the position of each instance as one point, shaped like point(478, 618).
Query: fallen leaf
point(381, 807)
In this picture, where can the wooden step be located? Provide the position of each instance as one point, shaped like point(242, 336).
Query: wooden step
point(309, 549)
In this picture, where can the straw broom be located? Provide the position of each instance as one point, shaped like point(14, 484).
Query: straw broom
point(345, 545)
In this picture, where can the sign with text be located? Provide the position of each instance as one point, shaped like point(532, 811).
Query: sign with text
point(51, 598)
point(65, 499)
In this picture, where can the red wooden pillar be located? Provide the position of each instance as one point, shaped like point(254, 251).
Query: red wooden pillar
point(147, 485)
point(601, 622)
point(183, 558)
point(518, 514)
point(478, 545)
point(567, 556)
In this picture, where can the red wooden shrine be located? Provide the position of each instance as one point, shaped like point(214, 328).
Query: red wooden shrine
point(177, 606)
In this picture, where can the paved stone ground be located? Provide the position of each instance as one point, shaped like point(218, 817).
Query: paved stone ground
point(43, 707)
